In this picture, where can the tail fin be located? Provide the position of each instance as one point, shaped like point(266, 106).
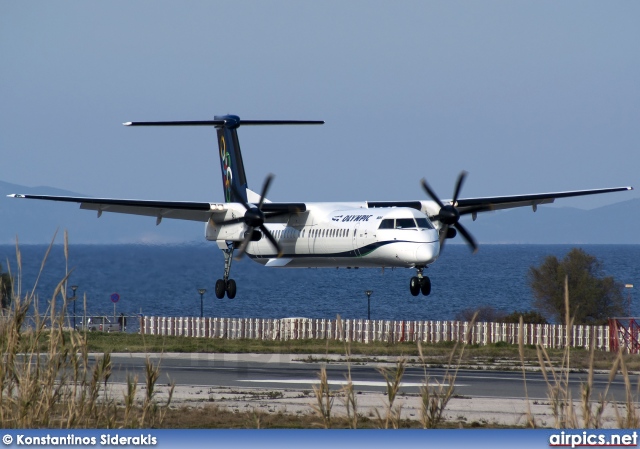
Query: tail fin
point(231, 160)
point(229, 148)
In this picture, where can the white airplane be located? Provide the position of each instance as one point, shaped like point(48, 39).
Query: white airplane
point(408, 234)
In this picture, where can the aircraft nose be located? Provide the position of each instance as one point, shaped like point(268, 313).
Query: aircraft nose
point(427, 252)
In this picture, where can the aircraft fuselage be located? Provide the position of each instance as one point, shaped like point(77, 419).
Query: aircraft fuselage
point(345, 235)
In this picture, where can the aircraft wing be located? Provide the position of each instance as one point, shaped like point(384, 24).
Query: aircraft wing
point(474, 205)
point(181, 210)
point(483, 204)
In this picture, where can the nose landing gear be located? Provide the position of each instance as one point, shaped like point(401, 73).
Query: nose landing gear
point(420, 284)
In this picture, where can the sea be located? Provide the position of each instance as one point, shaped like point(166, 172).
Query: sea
point(163, 280)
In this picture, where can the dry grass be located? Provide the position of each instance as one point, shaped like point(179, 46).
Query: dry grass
point(589, 414)
point(46, 379)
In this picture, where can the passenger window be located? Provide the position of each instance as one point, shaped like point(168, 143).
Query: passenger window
point(405, 223)
point(386, 224)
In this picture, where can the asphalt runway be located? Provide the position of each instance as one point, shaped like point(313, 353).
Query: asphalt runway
point(283, 371)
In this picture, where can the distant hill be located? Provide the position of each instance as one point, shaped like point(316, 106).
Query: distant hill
point(612, 224)
point(35, 222)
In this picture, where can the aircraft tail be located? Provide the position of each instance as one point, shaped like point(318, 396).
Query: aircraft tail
point(229, 148)
point(231, 161)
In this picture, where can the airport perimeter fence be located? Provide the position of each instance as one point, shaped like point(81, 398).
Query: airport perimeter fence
point(365, 331)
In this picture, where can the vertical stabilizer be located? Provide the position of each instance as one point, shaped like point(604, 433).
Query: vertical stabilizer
point(231, 160)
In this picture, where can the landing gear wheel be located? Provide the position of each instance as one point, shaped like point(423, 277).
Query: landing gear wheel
point(425, 288)
point(414, 286)
point(231, 289)
point(220, 288)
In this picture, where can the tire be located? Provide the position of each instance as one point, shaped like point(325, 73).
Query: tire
point(220, 288)
point(231, 289)
point(425, 288)
point(414, 286)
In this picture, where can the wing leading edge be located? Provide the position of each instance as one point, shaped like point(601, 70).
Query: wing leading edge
point(470, 205)
point(484, 204)
point(181, 210)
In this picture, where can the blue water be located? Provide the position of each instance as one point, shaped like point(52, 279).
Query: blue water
point(163, 281)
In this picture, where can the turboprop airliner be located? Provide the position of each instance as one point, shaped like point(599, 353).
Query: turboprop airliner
point(381, 234)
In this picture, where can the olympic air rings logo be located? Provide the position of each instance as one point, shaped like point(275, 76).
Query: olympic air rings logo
point(227, 174)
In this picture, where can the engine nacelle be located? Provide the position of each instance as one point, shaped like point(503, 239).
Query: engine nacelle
point(231, 232)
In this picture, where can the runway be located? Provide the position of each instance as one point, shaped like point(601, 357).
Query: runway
point(284, 371)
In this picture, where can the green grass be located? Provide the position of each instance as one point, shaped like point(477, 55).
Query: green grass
point(500, 354)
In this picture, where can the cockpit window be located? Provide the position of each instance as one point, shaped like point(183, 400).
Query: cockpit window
point(387, 224)
point(424, 223)
point(405, 223)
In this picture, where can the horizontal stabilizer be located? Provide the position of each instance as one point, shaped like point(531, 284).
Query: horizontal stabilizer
point(227, 123)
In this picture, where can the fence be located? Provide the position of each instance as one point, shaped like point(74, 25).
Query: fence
point(624, 334)
point(365, 331)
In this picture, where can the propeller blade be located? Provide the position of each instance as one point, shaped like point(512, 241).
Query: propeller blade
point(244, 244)
point(431, 193)
point(449, 215)
point(265, 189)
point(459, 183)
point(443, 236)
point(470, 240)
point(267, 233)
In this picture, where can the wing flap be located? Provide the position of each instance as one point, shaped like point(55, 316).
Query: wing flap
point(484, 204)
point(179, 214)
point(182, 210)
point(469, 205)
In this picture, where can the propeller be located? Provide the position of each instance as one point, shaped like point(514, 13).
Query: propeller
point(254, 218)
point(449, 215)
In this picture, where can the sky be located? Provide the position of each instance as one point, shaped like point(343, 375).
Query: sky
point(528, 97)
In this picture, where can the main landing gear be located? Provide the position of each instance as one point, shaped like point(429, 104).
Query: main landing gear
point(420, 283)
point(226, 285)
